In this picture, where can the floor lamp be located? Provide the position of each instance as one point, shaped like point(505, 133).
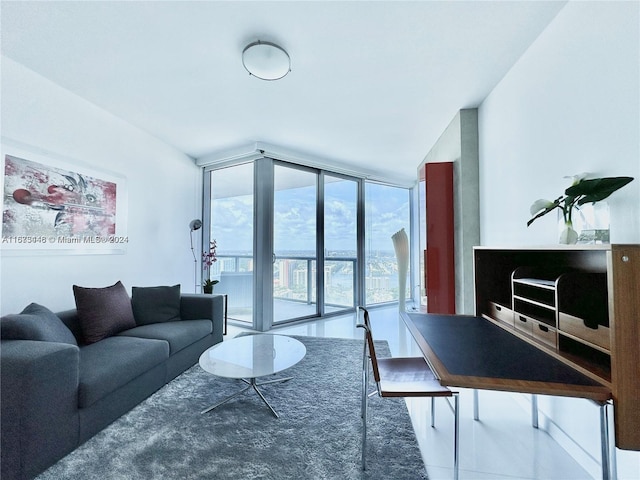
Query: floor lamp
point(193, 226)
point(401, 246)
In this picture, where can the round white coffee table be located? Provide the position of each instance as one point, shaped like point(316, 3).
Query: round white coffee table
point(250, 357)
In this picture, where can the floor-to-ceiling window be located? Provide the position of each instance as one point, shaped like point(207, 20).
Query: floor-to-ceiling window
point(231, 226)
point(340, 201)
point(386, 212)
point(292, 242)
point(295, 232)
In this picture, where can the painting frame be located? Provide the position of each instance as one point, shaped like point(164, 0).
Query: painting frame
point(56, 205)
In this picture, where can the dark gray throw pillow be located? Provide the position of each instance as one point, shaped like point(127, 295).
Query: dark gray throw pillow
point(155, 304)
point(103, 312)
point(36, 322)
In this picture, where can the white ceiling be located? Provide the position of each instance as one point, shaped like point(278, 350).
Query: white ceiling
point(372, 86)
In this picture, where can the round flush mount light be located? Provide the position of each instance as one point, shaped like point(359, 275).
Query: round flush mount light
point(266, 60)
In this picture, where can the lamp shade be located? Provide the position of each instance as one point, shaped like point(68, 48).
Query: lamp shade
point(195, 224)
point(266, 60)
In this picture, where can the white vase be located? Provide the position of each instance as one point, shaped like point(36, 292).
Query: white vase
point(592, 223)
point(401, 246)
point(589, 224)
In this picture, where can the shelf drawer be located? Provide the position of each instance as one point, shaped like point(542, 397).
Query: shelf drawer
point(523, 323)
point(501, 313)
point(545, 334)
point(576, 327)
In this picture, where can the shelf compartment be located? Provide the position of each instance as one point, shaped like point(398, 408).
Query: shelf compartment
point(584, 296)
point(539, 291)
point(587, 357)
point(541, 313)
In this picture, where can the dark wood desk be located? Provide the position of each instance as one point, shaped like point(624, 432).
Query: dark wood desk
point(471, 352)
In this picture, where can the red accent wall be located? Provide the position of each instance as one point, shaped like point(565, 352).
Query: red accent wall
point(439, 256)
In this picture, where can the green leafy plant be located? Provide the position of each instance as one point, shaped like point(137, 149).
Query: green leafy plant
point(580, 192)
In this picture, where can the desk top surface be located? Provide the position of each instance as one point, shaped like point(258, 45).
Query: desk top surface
point(469, 351)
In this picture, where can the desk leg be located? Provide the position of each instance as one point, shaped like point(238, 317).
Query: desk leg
point(433, 412)
point(613, 462)
point(604, 442)
point(476, 408)
point(534, 410)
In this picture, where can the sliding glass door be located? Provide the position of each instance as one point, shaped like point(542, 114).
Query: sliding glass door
point(294, 243)
point(340, 242)
point(386, 212)
point(231, 226)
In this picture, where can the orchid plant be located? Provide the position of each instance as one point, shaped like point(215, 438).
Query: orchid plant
point(580, 192)
point(209, 258)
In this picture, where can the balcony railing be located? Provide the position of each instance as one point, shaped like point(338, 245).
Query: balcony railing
point(295, 280)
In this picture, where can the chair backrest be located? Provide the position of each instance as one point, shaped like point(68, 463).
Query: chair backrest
point(369, 344)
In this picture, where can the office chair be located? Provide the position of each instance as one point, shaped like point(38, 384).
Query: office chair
point(402, 377)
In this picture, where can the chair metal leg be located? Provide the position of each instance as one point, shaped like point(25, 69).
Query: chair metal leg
point(456, 435)
point(363, 407)
point(364, 391)
point(364, 428)
point(534, 410)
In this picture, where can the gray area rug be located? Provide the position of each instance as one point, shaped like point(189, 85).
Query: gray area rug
point(316, 437)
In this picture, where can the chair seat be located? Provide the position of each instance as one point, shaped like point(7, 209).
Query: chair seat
point(409, 377)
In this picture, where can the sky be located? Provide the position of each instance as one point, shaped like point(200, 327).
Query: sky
point(386, 212)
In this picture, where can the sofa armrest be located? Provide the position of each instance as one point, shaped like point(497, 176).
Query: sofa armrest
point(39, 405)
point(196, 307)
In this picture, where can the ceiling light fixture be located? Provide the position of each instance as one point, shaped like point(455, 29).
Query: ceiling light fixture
point(266, 60)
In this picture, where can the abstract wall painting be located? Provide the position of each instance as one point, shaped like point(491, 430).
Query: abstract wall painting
point(52, 205)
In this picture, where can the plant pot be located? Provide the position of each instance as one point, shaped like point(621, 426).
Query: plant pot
point(207, 288)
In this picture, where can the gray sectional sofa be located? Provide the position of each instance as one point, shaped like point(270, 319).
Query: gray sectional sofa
point(60, 386)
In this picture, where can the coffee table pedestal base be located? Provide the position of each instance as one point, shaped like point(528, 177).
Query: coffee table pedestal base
point(250, 384)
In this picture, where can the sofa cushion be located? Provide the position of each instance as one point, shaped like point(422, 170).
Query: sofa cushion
point(36, 322)
point(113, 362)
point(155, 304)
point(103, 311)
point(179, 334)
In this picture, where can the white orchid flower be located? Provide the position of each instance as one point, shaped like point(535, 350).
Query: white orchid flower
point(568, 236)
point(576, 179)
point(539, 205)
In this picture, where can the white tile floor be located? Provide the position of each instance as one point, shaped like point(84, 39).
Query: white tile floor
point(501, 445)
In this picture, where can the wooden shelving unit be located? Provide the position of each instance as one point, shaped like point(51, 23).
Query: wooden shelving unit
point(580, 304)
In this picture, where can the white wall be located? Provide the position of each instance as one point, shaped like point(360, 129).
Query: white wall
point(571, 104)
point(164, 194)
